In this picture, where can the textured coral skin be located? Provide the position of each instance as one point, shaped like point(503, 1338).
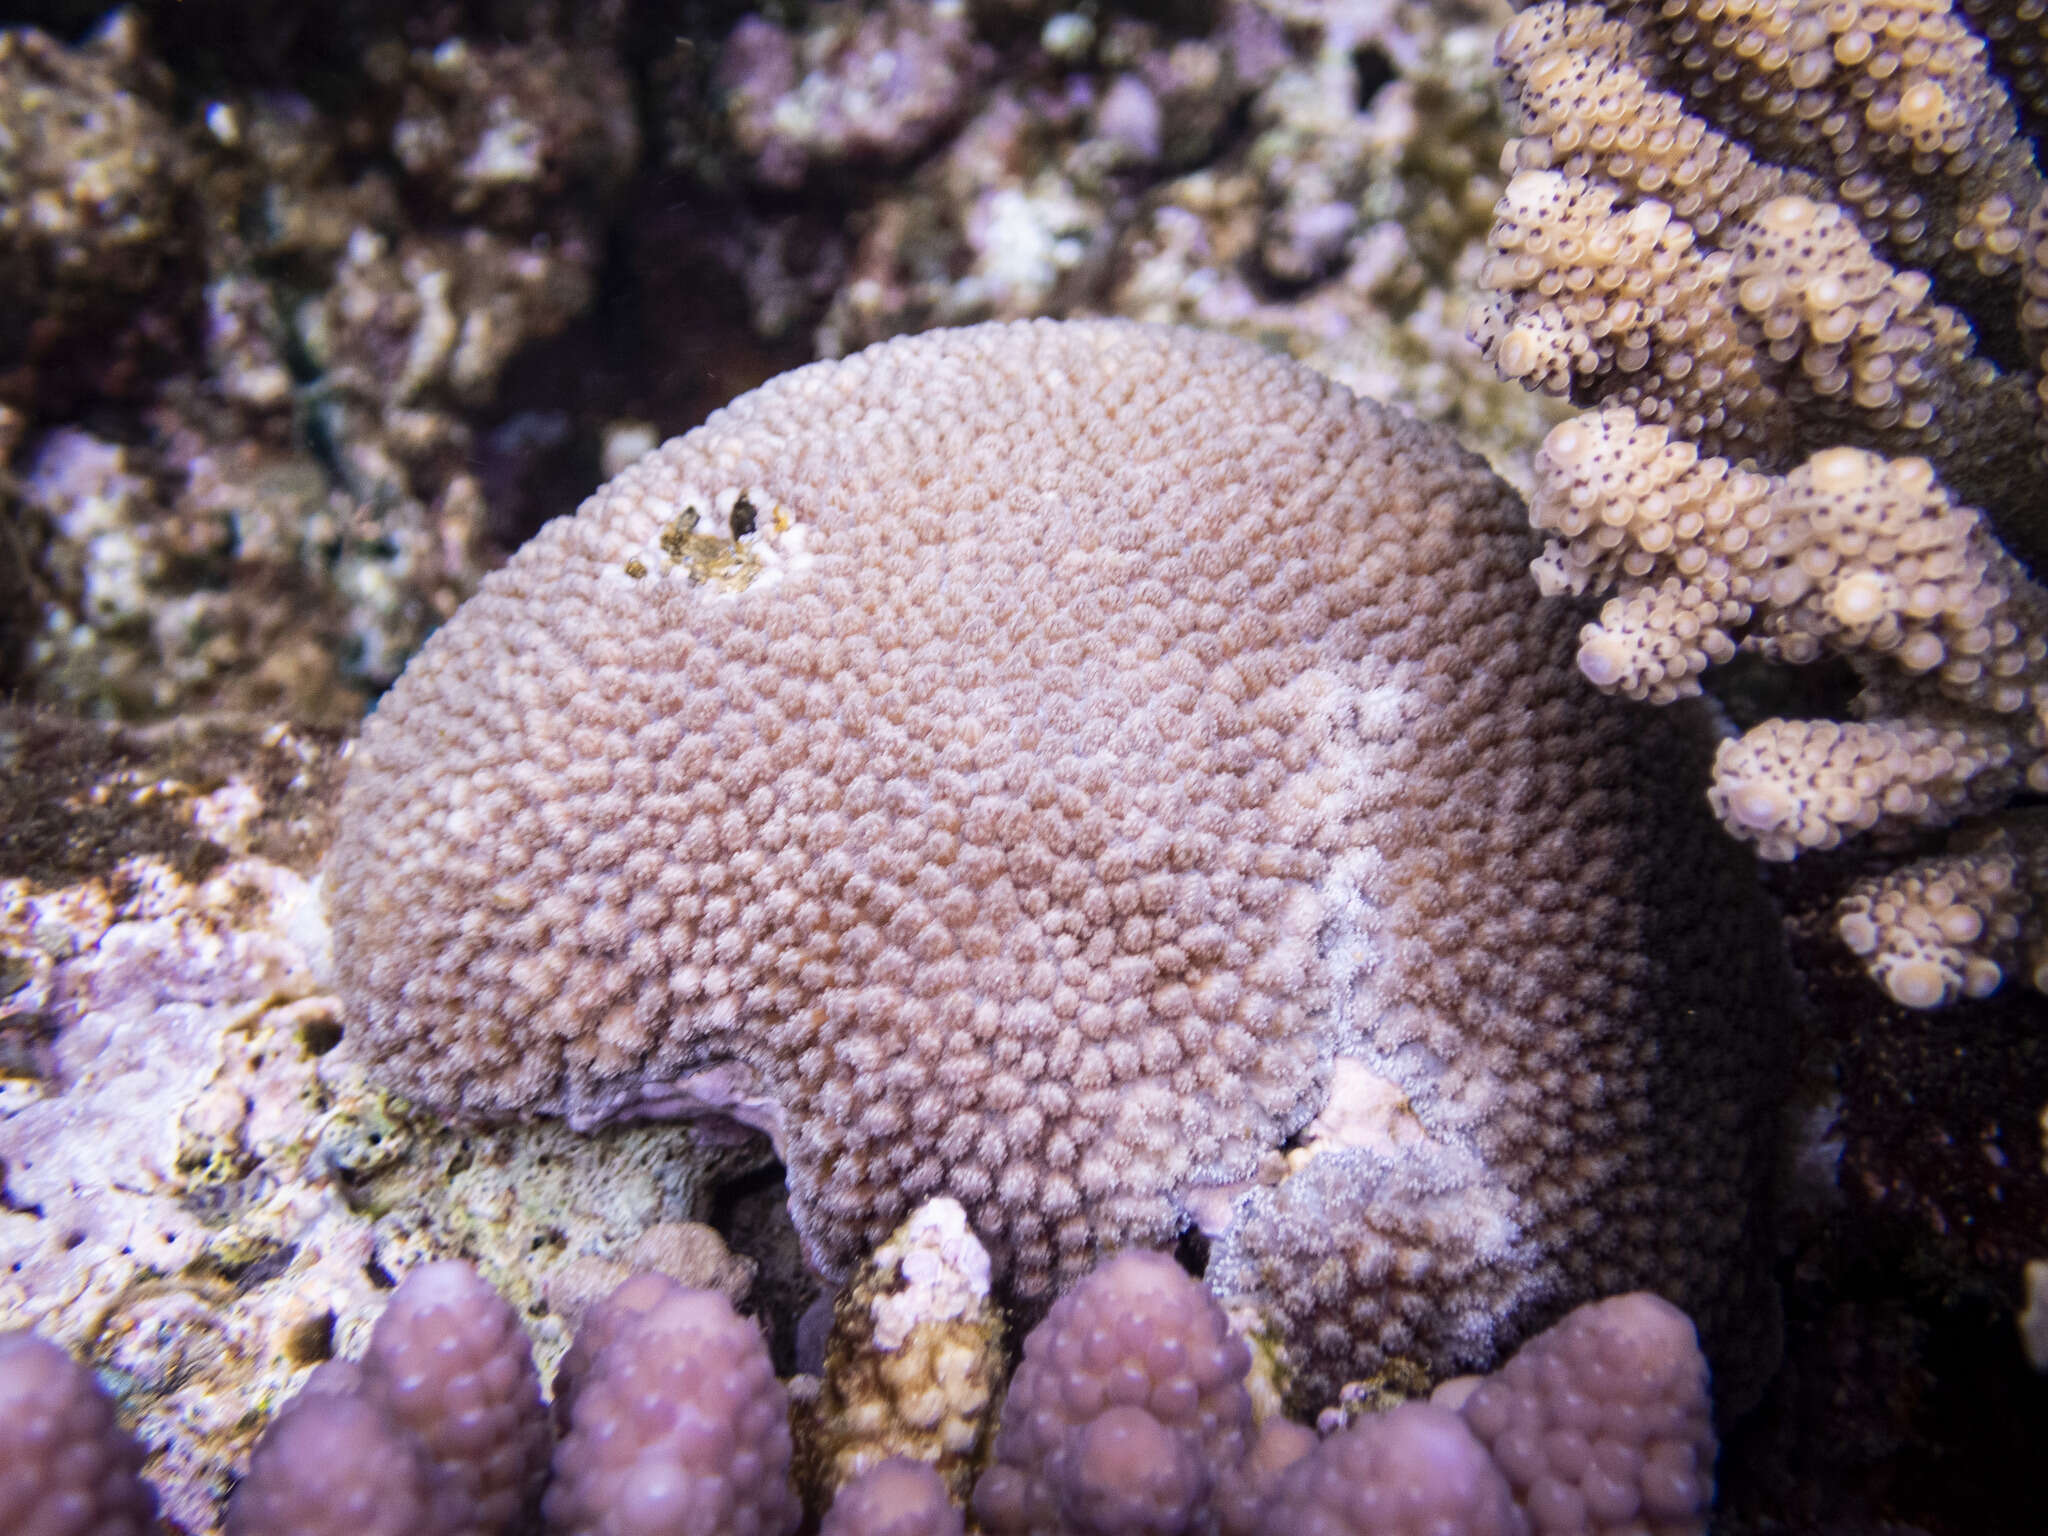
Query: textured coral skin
point(1104, 729)
point(1414, 1470)
point(449, 1362)
point(333, 1464)
point(915, 1363)
point(1602, 1423)
point(894, 1498)
point(618, 1313)
point(1127, 1412)
point(440, 1425)
point(679, 1427)
point(66, 1468)
point(1800, 255)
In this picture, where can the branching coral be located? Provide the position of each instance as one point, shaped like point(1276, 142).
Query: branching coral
point(438, 1431)
point(1128, 1411)
point(1033, 763)
point(1796, 257)
point(1128, 1416)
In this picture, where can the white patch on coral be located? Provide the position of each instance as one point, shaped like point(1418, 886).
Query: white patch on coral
point(1365, 1109)
point(944, 1270)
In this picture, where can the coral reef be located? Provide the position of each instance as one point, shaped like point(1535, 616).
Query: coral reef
point(1789, 259)
point(328, 273)
point(1306, 175)
point(440, 1428)
point(859, 87)
point(310, 315)
point(94, 223)
point(292, 502)
point(202, 1195)
point(1042, 838)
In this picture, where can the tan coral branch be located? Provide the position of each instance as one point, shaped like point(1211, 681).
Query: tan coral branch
point(1956, 925)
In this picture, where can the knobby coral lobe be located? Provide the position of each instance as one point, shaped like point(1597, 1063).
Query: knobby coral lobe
point(1122, 736)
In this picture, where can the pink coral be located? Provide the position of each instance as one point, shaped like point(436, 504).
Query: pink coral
point(438, 1429)
point(679, 1426)
point(66, 1468)
point(1602, 1423)
point(1415, 1470)
point(1127, 1411)
point(893, 1498)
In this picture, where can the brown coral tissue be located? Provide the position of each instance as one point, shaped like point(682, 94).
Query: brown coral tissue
point(1118, 779)
point(1794, 262)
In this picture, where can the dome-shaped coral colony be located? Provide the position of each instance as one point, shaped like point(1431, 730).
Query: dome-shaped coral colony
point(1065, 766)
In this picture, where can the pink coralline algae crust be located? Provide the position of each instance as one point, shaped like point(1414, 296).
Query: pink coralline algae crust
point(1127, 1412)
point(66, 1468)
point(679, 1426)
point(1025, 764)
point(896, 1497)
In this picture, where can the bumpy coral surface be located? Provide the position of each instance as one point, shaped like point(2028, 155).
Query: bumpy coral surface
point(1800, 257)
point(333, 1464)
point(1128, 1416)
point(1602, 1422)
point(439, 1428)
point(679, 1425)
point(449, 1362)
point(1413, 1469)
point(1128, 1410)
point(915, 1360)
point(894, 1498)
point(1021, 763)
point(66, 1469)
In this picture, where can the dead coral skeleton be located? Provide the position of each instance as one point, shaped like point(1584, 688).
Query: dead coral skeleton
point(1794, 260)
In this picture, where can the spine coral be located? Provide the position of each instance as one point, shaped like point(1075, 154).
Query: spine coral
point(1792, 263)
